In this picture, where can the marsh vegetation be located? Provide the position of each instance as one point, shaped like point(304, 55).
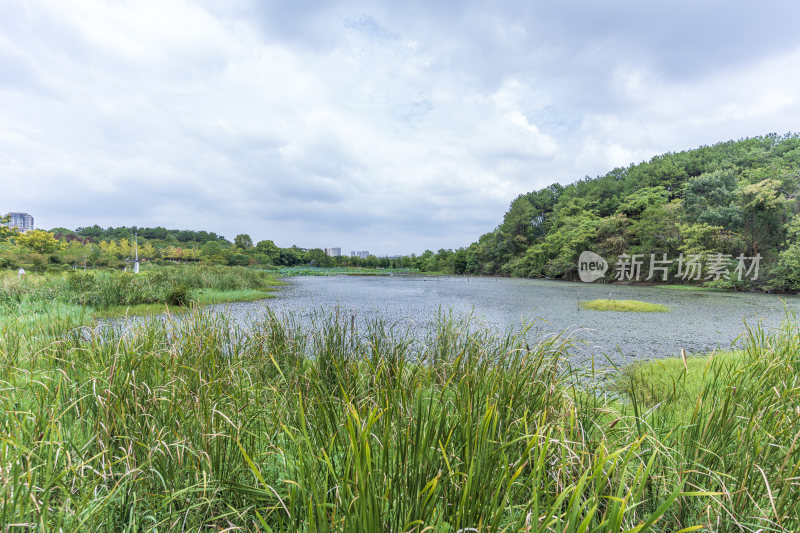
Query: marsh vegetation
point(628, 306)
point(342, 425)
point(110, 293)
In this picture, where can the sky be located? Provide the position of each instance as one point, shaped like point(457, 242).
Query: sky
point(393, 127)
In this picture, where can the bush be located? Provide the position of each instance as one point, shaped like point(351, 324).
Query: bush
point(178, 295)
point(103, 289)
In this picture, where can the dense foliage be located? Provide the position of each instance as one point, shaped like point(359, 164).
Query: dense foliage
point(736, 197)
point(63, 249)
point(199, 424)
point(123, 232)
point(101, 289)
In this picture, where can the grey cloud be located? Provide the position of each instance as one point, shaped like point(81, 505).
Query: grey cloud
point(382, 125)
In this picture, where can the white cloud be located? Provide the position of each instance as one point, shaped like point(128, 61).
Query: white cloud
point(381, 126)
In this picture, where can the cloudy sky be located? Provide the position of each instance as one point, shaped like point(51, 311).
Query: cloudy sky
point(387, 126)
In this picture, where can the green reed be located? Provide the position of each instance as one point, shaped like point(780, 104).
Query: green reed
point(104, 289)
point(198, 423)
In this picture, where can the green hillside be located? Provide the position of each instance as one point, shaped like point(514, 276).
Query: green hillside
point(734, 198)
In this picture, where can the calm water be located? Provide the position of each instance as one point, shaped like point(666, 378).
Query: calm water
point(699, 322)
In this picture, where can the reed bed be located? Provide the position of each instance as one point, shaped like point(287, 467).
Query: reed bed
point(102, 289)
point(200, 424)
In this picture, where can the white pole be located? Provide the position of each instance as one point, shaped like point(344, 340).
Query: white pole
point(136, 253)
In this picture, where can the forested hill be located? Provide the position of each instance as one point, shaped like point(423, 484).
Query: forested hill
point(733, 198)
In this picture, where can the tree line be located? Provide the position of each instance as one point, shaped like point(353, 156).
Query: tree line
point(93, 246)
point(732, 198)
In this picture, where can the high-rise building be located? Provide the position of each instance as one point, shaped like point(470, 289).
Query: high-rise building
point(21, 221)
point(363, 254)
point(333, 252)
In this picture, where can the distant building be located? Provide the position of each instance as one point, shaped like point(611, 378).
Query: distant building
point(363, 254)
point(22, 221)
point(333, 252)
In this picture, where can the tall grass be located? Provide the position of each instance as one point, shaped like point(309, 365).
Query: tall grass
point(738, 424)
point(102, 289)
point(199, 424)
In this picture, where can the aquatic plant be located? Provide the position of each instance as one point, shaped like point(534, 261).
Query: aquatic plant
point(624, 305)
point(200, 423)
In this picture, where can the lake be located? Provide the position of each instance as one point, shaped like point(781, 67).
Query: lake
point(699, 321)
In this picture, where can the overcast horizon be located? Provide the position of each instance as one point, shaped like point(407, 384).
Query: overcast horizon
point(366, 125)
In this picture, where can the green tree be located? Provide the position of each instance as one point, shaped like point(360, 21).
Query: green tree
point(147, 251)
point(243, 241)
point(212, 253)
point(38, 240)
point(786, 274)
point(764, 209)
point(427, 261)
point(75, 253)
point(635, 203)
point(460, 261)
point(656, 229)
point(558, 255)
point(5, 231)
point(270, 250)
point(238, 259)
point(734, 197)
point(613, 236)
point(711, 198)
point(318, 257)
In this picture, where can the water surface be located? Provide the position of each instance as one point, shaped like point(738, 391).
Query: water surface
point(699, 321)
